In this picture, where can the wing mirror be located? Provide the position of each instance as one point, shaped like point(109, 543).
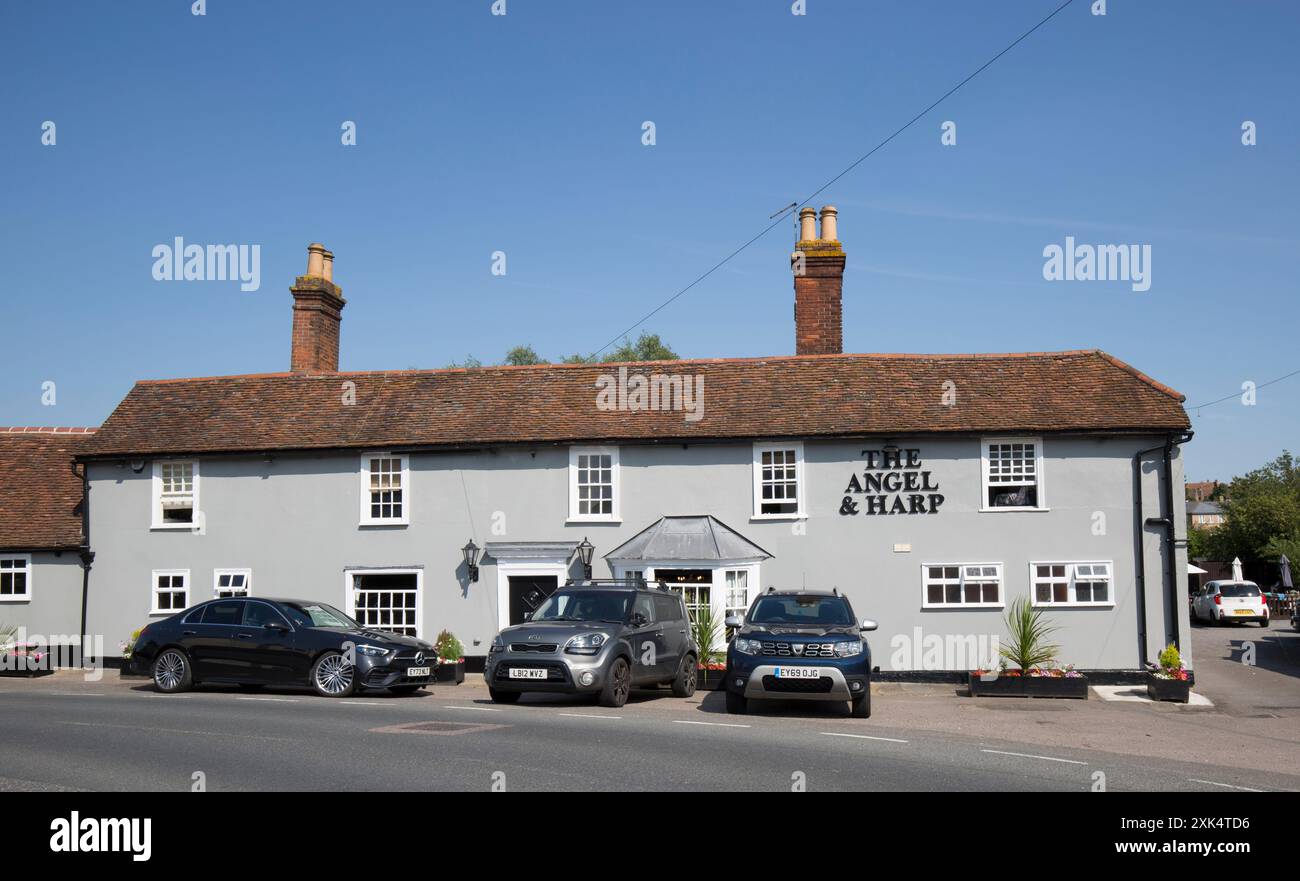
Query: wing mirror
point(733, 621)
point(868, 624)
point(275, 626)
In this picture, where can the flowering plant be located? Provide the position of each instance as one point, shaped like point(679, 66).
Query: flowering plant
point(1170, 666)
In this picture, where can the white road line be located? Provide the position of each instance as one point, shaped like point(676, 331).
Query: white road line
point(716, 724)
point(863, 737)
point(278, 700)
point(1032, 756)
point(78, 694)
point(1225, 785)
point(361, 703)
point(587, 716)
point(482, 709)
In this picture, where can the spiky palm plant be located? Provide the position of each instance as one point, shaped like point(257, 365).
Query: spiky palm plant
point(1027, 633)
point(707, 630)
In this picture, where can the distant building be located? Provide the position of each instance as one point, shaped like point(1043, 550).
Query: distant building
point(1201, 490)
point(1204, 515)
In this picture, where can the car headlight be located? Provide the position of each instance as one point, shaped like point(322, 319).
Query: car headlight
point(748, 646)
point(848, 649)
point(586, 644)
point(497, 645)
point(372, 651)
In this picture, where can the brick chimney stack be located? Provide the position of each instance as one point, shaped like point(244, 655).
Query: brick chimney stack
point(818, 264)
point(317, 312)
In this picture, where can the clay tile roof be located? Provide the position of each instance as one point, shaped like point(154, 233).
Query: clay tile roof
point(792, 396)
point(40, 497)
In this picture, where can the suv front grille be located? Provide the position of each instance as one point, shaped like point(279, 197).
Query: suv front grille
point(539, 648)
point(805, 650)
point(821, 685)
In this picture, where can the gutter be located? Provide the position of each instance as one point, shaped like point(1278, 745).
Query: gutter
point(1165, 520)
point(87, 555)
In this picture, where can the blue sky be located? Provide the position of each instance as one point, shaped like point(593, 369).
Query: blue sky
point(522, 133)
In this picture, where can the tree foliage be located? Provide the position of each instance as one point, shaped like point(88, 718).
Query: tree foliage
point(1262, 516)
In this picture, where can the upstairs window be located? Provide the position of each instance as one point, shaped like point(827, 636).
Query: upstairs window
point(15, 578)
point(1072, 584)
point(1013, 473)
point(175, 495)
point(778, 481)
point(170, 591)
point(593, 483)
point(385, 500)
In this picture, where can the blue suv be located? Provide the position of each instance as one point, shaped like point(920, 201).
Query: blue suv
point(799, 645)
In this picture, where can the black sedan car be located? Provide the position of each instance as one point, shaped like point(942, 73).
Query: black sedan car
point(257, 641)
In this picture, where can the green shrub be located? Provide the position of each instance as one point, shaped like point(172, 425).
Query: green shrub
point(449, 647)
point(1027, 646)
point(1170, 659)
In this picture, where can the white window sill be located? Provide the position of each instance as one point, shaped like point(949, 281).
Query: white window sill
point(174, 527)
point(12, 599)
point(614, 520)
point(942, 606)
point(1006, 509)
point(754, 517)
point(364, 523)
point(1074, 605)
point(162, 613)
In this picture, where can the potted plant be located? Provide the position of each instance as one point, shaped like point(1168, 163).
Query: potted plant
point(707, 630)
point(1036, 673)
point(22, 658)
point(451, 659)
point(1169, 680)
point(126, 671)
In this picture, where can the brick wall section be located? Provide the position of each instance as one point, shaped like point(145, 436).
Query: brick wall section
point(818, 300)
point(317, 313)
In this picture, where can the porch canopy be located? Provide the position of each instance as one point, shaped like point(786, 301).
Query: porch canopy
point(530, 550)
point(696, 538)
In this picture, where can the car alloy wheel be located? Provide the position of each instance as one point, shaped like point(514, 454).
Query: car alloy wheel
point(619, 684)
point(334, 675)
point(685, 684)
point(169, 670)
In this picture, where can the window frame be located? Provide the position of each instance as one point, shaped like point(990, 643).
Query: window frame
point(156, 520)
point(1071, 578)
point(800, 477)
point(616, 483)
point(153, 590)
point(349, 595)
point(216, 582)
point(363, 473)
point(27, 568)
point(961, 585)
point(1040, 475)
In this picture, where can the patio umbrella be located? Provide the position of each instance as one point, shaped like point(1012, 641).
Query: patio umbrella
point(1236, 569)
point(1285, 565)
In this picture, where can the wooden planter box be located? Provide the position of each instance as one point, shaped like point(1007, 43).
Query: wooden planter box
point(709, 680)
point(1072, 688)
point(1176, 690)
point(26, 665)
point(450, 674)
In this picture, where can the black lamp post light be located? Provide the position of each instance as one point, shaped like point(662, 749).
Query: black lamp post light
point(471, 559)
point(585, 550)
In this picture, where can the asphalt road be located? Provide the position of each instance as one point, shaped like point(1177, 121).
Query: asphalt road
point(115, 735)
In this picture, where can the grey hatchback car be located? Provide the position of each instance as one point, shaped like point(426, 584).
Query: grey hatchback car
point(597, 637)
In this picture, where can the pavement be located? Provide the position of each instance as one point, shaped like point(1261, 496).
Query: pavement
point(66, 733)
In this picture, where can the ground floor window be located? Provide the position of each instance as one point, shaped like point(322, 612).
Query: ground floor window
point(1072, 584)
point(961, 585)
point(171, 590)
point(694, 585)
point(15, 578)
point(228, 583)
point(386, 601)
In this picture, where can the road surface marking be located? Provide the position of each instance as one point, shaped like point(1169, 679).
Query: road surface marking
point(863, 737)
point(78, 694)
point(484, 709)
point(1225, 785)
point(1032, 756)
point(716, 724)
point(362, 704)
point(587, 716)
point(186, 731)
point(278, 700)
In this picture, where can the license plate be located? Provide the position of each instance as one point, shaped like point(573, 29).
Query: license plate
point(1243, 611)
point(523, 673)
point(798, 673)
point(417, 671)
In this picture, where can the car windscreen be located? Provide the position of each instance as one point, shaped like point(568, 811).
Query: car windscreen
point(318, 615)
point(813, 611)
point(1238, 590)
point(585, 605)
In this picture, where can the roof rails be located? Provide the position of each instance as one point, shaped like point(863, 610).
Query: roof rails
point(632, 581)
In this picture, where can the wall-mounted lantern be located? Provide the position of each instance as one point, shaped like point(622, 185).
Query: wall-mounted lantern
point(471, 559)
point(585, 550)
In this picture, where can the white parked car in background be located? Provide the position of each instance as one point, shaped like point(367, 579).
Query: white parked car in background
point(1221, 601)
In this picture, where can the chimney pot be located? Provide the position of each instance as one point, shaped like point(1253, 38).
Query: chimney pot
point(830, 231)
point(327, 269)
point(315, 260)
point(807, 224)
